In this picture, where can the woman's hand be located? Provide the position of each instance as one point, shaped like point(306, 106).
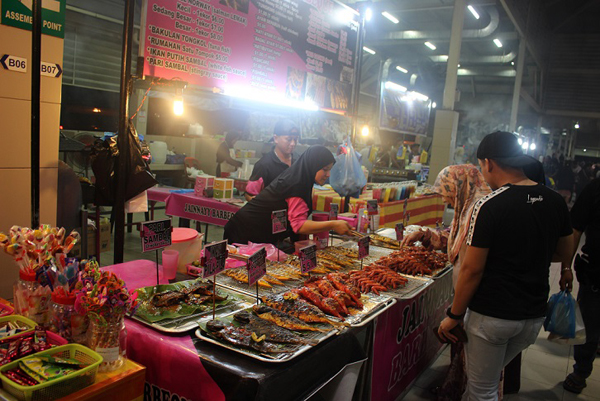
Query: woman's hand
point(341, 227)
point(411, 238)
point(445, 326)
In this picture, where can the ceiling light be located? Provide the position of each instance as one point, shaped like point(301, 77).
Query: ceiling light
point(96, 110)
point(525, 145)
point(512, 63)
point(475, 14)
point(368, 14)
point(532, 146)
point(178, 105)
point(497, 42)
point(390, 17)
point(430, 45)
point(365, 130)
point(371, 51)
point(576, 125)
point(404, 70)
point(520, 141)
point(394, 86)
point(585, 150)
point(433, 105)
point(458, 65)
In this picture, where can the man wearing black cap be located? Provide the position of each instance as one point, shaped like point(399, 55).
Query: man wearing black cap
point(502, 289)
point(285, 136)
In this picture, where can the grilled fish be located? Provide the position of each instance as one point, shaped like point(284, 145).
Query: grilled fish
point(242, 277)
point(169, 298)
point(273, 332)
point(239, 337)
point(291, 304)
point(284, 320)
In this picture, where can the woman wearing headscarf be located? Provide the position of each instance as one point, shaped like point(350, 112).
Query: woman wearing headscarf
point(460, 186)
point(225, 161)
point(291, 191)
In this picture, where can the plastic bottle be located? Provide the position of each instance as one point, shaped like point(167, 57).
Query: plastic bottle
point(31, 299)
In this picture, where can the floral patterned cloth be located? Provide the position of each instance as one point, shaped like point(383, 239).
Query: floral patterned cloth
point(462, 186)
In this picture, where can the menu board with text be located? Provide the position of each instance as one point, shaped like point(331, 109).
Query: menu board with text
point(299, 50)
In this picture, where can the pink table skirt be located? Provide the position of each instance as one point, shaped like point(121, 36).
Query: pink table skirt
point(204, 210)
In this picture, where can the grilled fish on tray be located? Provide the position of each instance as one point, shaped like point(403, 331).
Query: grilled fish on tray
point(291, 304)
point(240, 337)
point(272, 332)
point(194, 295)
point(284, 320)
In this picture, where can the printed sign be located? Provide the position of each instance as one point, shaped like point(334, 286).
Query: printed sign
point(19, 64)
point(156, 234)
point(399, 231)
point(363, 247)
point(18, 13)
point(308, 258)
point(257, 266)
point(372, 207)
point(52, 70)
point(333, 211)
point(214, 258)
point(279, 220)
point(282, 50)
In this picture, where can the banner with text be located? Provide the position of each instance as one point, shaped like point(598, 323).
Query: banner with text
point(297, 50)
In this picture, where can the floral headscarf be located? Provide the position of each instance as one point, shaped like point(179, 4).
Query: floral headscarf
point(464, 185)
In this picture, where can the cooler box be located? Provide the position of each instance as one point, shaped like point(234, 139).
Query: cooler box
point(223, 188)
point(188, 242)
point(203, 182)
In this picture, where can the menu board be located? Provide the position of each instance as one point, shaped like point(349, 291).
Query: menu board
point(297, 50)
point(401, 112)
point(156, 234)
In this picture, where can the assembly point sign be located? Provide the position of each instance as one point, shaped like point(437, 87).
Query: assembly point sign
point(18, 13)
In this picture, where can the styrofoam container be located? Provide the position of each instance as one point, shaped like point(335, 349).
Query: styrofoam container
point(188, 242)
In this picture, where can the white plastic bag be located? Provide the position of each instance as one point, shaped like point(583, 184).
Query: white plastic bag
point(580, 337)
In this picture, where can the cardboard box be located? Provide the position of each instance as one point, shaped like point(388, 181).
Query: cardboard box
point(91, 240)
point(223, 184)
point(203, 182)
point(223, 194)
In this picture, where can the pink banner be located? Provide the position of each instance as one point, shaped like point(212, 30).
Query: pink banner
point(200, 209)
point(298, 50)
point(404, 341)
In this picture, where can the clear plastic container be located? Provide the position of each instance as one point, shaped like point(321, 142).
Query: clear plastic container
point(31, 299)
point(109, 339)
point(65, 321)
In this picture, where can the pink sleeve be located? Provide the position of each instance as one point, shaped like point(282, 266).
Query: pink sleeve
point(297, 212)
point(254, 187)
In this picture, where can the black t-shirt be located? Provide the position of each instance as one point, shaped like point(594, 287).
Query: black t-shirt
point(585, 216)
point(268, 168)
point(520, 225)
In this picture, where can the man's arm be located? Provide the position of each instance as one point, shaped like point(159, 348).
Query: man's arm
point(564, 253)
point(468, 281)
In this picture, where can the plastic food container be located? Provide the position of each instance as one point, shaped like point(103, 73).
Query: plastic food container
point(65, 321)
point(23, 321)
point(188, 242)
point(60, 387)
point(31, 299)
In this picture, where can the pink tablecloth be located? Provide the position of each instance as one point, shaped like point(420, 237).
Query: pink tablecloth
point(173, 367)
point(200, 209)
point(159, 194)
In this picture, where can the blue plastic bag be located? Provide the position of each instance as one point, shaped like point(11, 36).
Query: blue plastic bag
point(561, 318)
point(347, 176)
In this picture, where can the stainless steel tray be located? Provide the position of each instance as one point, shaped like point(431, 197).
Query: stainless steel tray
point(360, 320)
point(188, 323)
point(295, 350)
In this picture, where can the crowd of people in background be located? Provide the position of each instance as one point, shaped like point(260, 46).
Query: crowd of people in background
point(569, 177)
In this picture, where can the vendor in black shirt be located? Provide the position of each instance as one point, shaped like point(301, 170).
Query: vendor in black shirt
point(514, 235)
point(585, 216)
point(285, 136)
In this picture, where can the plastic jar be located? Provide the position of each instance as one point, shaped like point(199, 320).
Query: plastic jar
point(31, 299)
point(65, 321)
point(109, 339)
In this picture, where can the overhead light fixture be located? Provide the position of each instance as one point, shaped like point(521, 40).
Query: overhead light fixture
point(253, 94)
point(532, 146)
point(390, 17)
point(96, 110)
point(497, 42)
point(576, 125)
point(178, 105)
point(520, 141)
point(394, 86)
point(433, 105)
point(475, 14)
point(525, 145)
point(512, 63)
point(458, 65)
point(404, 70)
point(585, 150)
point(430, 45)
point(370, 51)
point(365, 130)
point(368, 14)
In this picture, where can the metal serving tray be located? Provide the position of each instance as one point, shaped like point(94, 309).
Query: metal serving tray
point(295, 350)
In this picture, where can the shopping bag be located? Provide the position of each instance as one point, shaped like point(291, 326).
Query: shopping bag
point(137, 204)
point(347, 176)
point(580, 335)
point(561, 319)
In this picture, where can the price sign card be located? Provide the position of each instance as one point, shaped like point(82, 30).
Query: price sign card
point(399, 231)
point(372, 207)
point(308, 258)
point(156, 234)
point(279, 220)
point(214, 258)
point(363, 247)
point(257, 266)
point(333, 211)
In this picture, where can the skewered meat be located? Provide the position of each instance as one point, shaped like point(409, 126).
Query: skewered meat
point(341, 284)
point(327, 305)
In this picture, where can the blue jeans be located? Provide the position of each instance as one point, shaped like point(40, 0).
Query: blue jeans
point(589, 304)
point(492, 344)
